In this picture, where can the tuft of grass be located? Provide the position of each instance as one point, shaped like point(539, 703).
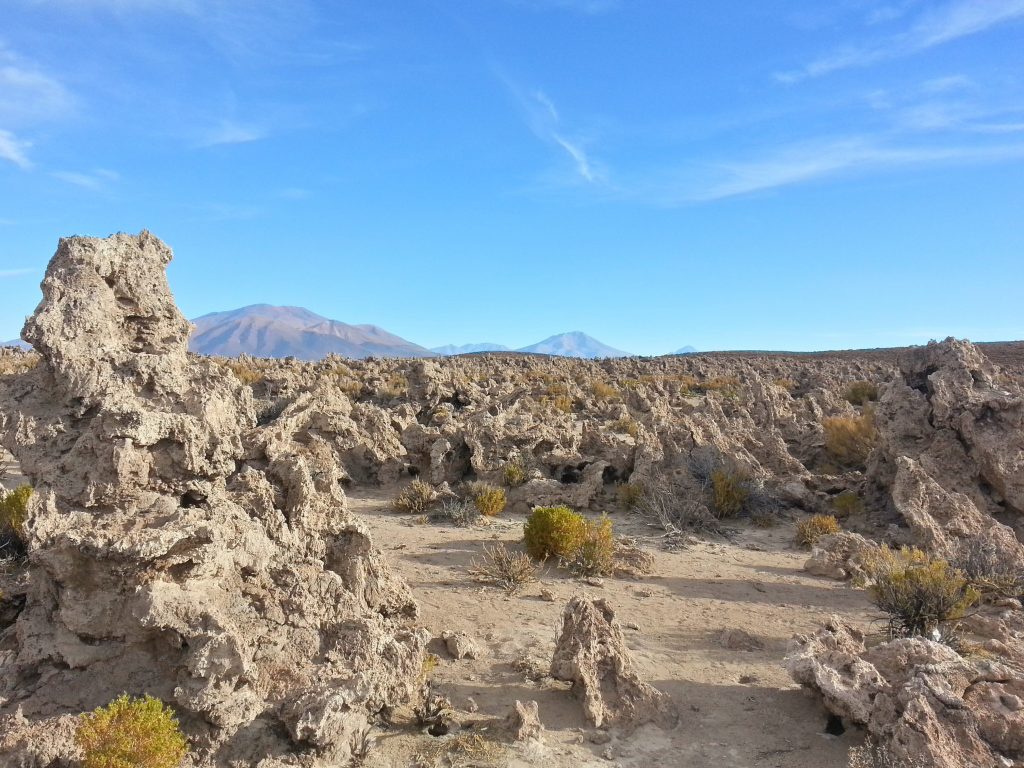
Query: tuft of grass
point(729, 491)
point(850, 439)
point(415, 497)
point(554, 531)
point(244, 372)
point(396, 386)
point(458, 512)
point(14, 509)
point(513, 473)
point(131, 733)
point(504, 568)
point(604, 391)
point(626, 426)
point(787, 384)
point(861, 392)
point(489, 501)
point(989, 570)
point(813, 528)
point(629, 494)
point(847, 503)
point(917, 593)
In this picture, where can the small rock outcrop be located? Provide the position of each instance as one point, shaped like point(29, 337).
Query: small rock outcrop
point(591, 654)
point(179, 550)
point(524, 722)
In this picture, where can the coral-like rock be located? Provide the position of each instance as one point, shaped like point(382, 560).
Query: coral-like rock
point(591, 653)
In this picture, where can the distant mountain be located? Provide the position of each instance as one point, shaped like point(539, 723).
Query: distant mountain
point(685, 351)
point(267, 331)
point(16, 343)
point(466, 349)
point(574, 344)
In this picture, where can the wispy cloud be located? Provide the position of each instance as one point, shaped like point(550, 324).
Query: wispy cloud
point(811, 162)
point(231, 132)
point(579, 6)
point(13, 150)
point(5, 273)
point(950, 21)
point(95, 181)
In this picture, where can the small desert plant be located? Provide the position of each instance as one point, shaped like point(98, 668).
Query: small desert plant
point(917, 593)
point(395, 387)
point(626, 426)
point(673, 510)
point(847, 503)
point(561, 403)
point(13, 510)
point(504, 568)
point(595, 555)
point(629, 494)
point(459, 512)
point(729, 491)
point(554, 531)
point(861, 392)
point(989, 570)
point(849, 439)
point(131, 733)
point(727, 386)
point(787, 384)
point(513, 473)
point(813, 528)
point(604, 391)
point(874, 755)
point(415, 497)
point(489, 501)
point(244, 372)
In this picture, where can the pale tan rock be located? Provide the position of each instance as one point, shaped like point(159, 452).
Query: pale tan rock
point(524, 722)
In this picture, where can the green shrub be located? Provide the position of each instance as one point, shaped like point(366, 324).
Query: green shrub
point(847, 503)
point(630, 494)
point(861, 392)
point(916, 592)
point(849, 439)
point(13, 509)
point(813, 528)
point(595, 555)
point(554, 531)
point(415, 497)
point(729, 491)
point(514, 473)
point(489, 500)
point(131, 733)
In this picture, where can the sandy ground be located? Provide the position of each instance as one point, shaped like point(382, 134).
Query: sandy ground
point(739, 708)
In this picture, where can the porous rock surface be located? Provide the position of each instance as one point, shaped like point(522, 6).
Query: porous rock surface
point(591, 654)
point(178, 550)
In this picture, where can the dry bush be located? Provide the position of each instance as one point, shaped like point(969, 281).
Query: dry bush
point(729, 491)
point(415, 497)
point(861, 392)
point(604, 391)
point(847, 503)
point(674, 511)
point(131, 733)
point(554, 531)
point(18, 362)
point(463, 750)
point(989, 570)
point(626, 426)
point(561, 403)
point(595, 555)
point(813, 528)
point(727, 386)
point(850, 439)
point(787, 384)
point(489, 501)
point(396, 386)
point(629, 494)
point(513, 473)
point(504, 568)
point(631, 560)
point(917, 593)
point(244, 372)
point(458, 512)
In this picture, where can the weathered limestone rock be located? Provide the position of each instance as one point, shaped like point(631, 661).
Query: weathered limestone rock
point(460, 645)
point(176, 548)
point(591, 653)
point(524, 722)
point(839, 556)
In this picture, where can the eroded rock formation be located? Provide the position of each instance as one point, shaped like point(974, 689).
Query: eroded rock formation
point(177, 549)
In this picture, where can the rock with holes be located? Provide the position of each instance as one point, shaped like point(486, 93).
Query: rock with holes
point(177, 548)
point(524, 722)
point(591, 654)
point(461, 646)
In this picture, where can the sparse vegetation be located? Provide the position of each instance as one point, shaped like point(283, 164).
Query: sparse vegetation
point(626, 426)
point(813, 528)
point(244, 371)
point(504, 568)
point(729, 491)
point(595, 555)
point(489, 501)
point(396, 386)
point(787, 384)
point(861, 392)
point(917, 593)
point(846, 504)
point(131, 733)
point(873, 755)
point(513, 473)
point(460, 512)
point(604, 391)
point(629, 494)
point(13, 510)
point(415, 497)
point(554, 531)
point(989, 570)
point(850, 439)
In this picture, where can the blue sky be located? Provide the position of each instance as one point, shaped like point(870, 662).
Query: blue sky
point(773, 175)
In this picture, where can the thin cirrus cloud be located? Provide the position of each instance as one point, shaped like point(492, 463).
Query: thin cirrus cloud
point(231, 132)
point(951, 21)
point(95, 181)
point(13, 150)
point(6, 273)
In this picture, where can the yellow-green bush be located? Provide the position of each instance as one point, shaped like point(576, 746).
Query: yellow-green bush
point(595, 555)
point(415, 497)
point(604, 391)
point(131, 733)
point(847, 503)
point(514, 473)
point(813, 528)
point(861, 392)
point(13, 509)
point(849, 439)
point(630, 494)
point(729, 491)
point(554, 531)
point(916, 592)
point(244, 372)
point(626, 426)
point(489, 501)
